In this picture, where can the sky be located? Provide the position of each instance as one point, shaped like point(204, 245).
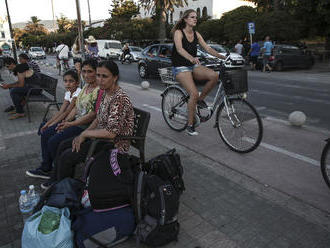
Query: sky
point(22, 10)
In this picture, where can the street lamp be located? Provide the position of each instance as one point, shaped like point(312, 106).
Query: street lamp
point(11, 33)
point(89, 14)
point(80, 31)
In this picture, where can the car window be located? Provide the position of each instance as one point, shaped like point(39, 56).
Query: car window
point(219, 48)
point(289, 51)
point(165, 52)
point(114, 45)
point(36, 49)
point(153, 51)
point(135, 49)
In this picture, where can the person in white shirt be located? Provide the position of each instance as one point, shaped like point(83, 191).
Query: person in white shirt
point(239, 47)
point(62, 52)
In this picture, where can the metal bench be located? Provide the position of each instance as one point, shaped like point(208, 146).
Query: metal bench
point(141, 123)
point(44, 91)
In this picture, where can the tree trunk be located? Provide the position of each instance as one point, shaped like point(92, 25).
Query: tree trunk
point(162, 27)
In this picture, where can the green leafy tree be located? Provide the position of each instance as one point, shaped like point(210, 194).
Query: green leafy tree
point(235, 22)
point(162, 6)
point(123, 9)
point(212, 30)
point(34, 27)
point(64, 24)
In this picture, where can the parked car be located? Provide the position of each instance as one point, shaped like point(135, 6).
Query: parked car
point(109, 49)
point(235, 60)
point(287, 56)
point(136, 52)
point(159, 55)
point(37, 53)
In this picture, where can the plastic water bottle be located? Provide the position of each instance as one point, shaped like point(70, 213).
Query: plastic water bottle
point(33, 195)
point(25, 205)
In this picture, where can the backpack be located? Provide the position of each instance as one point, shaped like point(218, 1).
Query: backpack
point(156, 200)
point(168, 167)
point(110, 180)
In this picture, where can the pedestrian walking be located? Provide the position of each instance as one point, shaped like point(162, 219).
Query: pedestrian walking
point(254, 54)
point(267, 52)
point(239, 47)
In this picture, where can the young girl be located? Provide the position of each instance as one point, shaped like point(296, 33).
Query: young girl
point(71, 83)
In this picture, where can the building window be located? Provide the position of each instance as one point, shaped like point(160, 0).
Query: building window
point(2, 34)
point(171, 17)
point(198, 12)
point(204, 13)
point(181, 13)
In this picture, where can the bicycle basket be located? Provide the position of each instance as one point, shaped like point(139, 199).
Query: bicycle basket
point(166, 75)
point(234, 81)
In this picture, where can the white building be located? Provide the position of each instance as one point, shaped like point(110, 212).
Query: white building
point(212, 8)
point(4, 32)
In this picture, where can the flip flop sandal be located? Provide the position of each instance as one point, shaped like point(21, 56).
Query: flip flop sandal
point(16, 116)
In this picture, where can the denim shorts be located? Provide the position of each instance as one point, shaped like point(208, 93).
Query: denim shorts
point(177, 70)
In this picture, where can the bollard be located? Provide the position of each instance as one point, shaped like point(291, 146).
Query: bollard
point(297, 118)
point(145, 85)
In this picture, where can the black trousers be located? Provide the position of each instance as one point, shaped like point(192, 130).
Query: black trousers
point(66, 160)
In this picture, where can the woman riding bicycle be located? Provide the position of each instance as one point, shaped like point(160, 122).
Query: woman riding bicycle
point(187, 67)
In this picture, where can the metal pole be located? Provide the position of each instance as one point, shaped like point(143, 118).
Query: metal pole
point(250, 39)
point(54, 25)
point(89, 14)
point(80, 31)
point(11, 33)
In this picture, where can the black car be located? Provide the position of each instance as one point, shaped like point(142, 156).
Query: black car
point(159, 56)
point(286, 56)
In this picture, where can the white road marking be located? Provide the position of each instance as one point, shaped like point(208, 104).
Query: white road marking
point(268, 146)
point(152, 107)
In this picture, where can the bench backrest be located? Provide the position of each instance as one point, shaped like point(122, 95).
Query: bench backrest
point(141, 123)
point(48, 84)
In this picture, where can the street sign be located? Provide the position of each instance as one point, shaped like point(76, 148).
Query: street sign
point(251, 27)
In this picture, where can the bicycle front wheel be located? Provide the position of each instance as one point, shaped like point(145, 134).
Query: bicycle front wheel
point(239, 125)
point(325, 164)
point(174, 108)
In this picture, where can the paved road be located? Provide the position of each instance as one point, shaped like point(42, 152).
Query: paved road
point(288, 158)
point(275, 95)
point(273, 197)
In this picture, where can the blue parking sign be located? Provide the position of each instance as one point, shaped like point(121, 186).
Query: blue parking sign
point(251, 27)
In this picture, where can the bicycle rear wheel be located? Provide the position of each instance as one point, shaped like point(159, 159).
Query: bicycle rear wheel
point(239, 125)
point(174, 108)
point(325, 163)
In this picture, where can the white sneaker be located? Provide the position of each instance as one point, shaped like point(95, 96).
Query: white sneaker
point(191, 131)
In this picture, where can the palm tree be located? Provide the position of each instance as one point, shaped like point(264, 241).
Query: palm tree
point(163, 6)
point(35, 27)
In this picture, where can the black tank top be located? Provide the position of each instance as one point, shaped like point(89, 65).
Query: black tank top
point(190, 47)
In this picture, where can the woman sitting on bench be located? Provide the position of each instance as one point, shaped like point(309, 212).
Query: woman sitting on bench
point(115, 117)
point(76, 122)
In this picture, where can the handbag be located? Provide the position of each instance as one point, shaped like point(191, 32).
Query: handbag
point(50, 227)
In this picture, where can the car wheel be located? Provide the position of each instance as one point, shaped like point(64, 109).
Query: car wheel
point(279, 66)
point(143, 71)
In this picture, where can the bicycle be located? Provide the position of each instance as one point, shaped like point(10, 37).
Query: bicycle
point(325, 162)
point(238, 122)
point(59, 64)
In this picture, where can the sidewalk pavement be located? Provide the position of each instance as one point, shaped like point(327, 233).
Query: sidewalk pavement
point(220, 208)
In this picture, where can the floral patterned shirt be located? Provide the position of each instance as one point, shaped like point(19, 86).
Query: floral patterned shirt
point(85, 103)
point(116, 115)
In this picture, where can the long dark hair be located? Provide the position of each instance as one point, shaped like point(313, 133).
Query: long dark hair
point(181, 24)
point(111, 67)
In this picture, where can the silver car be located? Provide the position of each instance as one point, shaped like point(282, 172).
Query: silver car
point(37, 53)
point(136, 52)
point(235, 60)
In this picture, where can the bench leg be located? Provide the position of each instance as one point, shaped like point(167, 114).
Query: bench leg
point(28, 112)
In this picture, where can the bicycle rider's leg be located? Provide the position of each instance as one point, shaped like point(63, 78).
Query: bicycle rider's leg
point(187, 81)
point(201, 73)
